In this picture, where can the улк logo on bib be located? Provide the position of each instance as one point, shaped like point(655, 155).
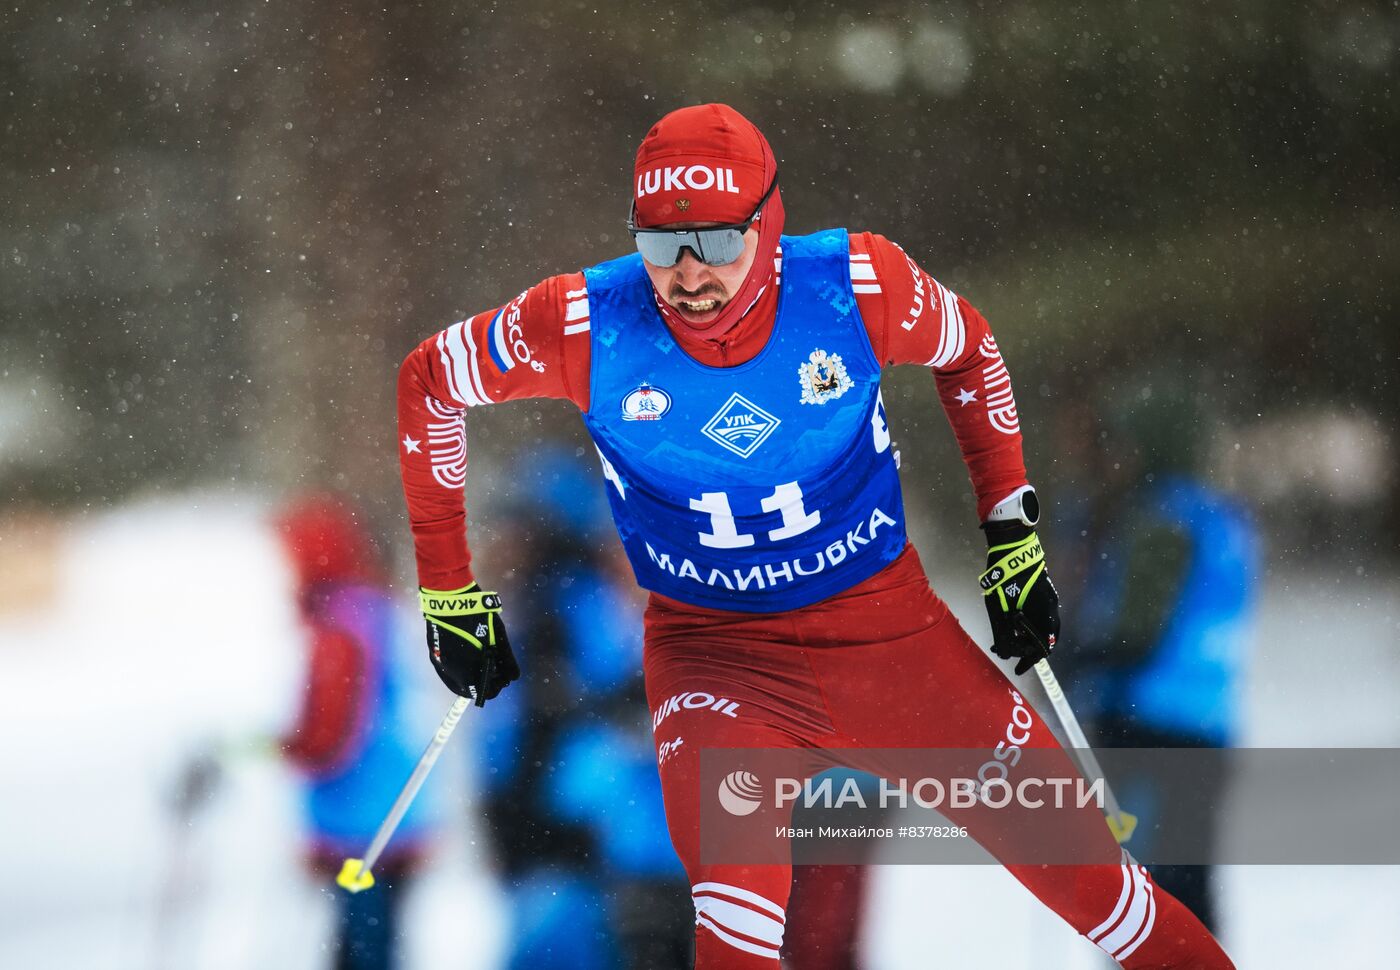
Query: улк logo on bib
point(646, 403)
point(741, 426)
point(824, 378)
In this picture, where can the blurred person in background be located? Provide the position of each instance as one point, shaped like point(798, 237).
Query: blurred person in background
point(729, 376)
point(353, 742)
point(1165, 617)
point(573, 801)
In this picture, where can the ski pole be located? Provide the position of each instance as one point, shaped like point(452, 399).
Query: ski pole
point(1120, 823)
point(355, 873)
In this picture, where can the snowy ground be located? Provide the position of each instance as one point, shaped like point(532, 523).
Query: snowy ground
point(168, 631)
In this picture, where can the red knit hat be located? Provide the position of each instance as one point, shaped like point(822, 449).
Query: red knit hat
point(708, 163)
point(326, 541)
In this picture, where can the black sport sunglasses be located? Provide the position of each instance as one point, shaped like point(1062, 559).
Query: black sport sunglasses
point(714, 245)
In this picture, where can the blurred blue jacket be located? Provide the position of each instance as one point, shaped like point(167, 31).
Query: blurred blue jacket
point(346, 803)
point(1188, 682)
point(604, 774)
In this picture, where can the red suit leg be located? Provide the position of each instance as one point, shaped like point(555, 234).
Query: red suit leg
point(948, 694)
point(883, 666)
point(823, 917)
point(705, 695)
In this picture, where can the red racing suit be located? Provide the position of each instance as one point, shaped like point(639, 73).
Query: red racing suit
point(883, 664)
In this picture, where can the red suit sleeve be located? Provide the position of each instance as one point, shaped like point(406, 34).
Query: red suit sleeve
point(914, 319)
point(537, 345)
point(334, 705)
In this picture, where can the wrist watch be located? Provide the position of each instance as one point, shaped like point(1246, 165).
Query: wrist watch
point(1022, 507)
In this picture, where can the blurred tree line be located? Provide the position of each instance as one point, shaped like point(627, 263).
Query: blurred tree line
point(224, 225)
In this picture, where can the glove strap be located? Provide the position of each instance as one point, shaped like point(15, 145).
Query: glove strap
point(471, 601)
point(1016, 558)
point(458, 602)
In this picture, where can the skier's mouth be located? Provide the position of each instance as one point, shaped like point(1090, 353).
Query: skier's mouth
point(698, 306)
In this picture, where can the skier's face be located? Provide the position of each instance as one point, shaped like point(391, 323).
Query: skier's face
point(696, 290)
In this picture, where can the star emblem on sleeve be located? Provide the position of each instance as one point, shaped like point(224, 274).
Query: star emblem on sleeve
point(410, 445)
point(966, 397)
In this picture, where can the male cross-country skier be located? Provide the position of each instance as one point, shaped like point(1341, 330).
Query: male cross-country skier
point(730, 378)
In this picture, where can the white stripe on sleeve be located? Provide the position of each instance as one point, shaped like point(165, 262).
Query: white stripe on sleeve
point(953, 337)
point(734, 941)
point(740, 919)
point(464, 369)
point(449, 368)
point(1128, 950)
point(736, 892)
point(721, 909)
point(1135, 919)
point(1123, 896)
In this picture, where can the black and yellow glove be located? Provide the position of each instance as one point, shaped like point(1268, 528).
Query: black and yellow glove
point(1021, 601)
point(467, 641)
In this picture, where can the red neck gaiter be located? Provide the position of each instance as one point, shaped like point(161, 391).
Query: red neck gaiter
point(708, 163)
